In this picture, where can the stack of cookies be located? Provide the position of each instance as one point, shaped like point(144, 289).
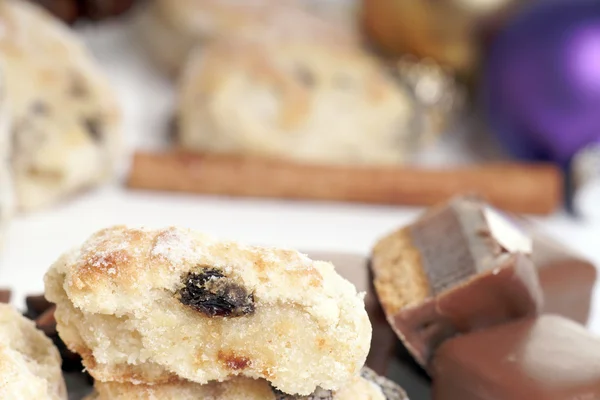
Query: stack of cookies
point(174, 314)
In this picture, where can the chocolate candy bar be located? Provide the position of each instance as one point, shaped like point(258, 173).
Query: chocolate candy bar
point(354, 267)
point(543, 358)
point(567, 279)
point(457, 269)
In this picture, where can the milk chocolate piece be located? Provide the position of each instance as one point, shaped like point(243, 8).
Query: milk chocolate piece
point(458, 269)
point(567, 278)
point(354, 267)
point(544, 358)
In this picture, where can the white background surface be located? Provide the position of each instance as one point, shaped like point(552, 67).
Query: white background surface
point(35, 241)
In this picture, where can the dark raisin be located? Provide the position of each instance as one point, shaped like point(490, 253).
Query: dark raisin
point(319, 394)
point(94, 128)
point(213, 294)
point(36, 305)
point(305, 76)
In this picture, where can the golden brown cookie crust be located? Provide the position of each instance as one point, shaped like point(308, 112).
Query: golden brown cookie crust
point(251, 311)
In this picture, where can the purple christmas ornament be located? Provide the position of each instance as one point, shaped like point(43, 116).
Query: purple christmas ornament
point(541, 87)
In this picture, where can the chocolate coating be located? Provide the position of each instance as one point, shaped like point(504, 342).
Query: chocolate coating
point(458, 269)
point(543, 358)
point(567, 278)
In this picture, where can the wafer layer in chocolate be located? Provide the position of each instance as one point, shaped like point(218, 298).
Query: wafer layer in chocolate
point(543, 358)
point(457, 269)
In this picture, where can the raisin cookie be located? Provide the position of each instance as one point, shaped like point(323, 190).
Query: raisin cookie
point(368, 386)
point(29, 363)
point(171, 29)
point(65, 118)
point(155, 305)
point(295, 99)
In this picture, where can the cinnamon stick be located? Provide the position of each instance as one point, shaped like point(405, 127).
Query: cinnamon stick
point(521, 188)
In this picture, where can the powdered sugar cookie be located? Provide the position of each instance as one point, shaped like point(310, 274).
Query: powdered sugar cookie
point(151, 306)
point(65, 118)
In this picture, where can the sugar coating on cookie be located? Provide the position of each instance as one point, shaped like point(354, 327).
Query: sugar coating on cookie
point(149, 306)
point(65, 117)
point(29, 362)
point(364, 387)
point(298, 99)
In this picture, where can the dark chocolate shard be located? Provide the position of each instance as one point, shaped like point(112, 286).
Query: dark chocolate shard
point(36, 305)
point(319, 394)
point(390, 390)
point(213, 294)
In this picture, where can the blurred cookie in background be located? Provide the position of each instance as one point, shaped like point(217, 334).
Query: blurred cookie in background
point(310, 100)
point(303, 100)
point(171, 29)
point(65, 117)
